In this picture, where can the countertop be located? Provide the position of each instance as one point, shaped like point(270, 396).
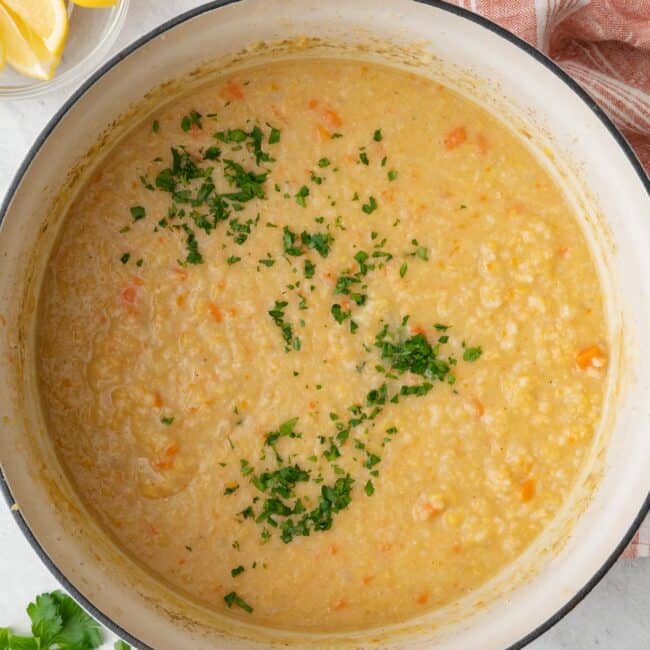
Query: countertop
point(615, 616)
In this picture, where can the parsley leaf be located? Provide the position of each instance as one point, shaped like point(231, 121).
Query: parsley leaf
point(472, 354)
point(371, 206)
point(233, 599)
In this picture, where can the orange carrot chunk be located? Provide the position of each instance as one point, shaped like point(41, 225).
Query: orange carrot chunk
point(332, 118)
point(592, 356)
point(215, 312)
point(527, 490)
point(455, 138)
point(234, 91)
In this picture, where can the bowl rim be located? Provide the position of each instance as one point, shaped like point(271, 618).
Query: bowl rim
point(466, 14)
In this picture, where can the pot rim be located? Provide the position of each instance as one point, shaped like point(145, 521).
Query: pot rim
point(541, 58)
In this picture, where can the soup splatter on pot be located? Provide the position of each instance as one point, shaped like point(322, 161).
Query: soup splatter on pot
point(322, 344)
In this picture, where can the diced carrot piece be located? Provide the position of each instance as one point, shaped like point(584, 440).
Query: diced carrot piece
point(482, 143)
point(323, 133)
point(367, 579)
point(422, 598)
point(455, 137)
point(527, 489)
point(332, 549)
point(340, 604)
point(591, 357)
point(215, 312)
point(181, 273)
point(332, 118)
point(312, 104)
point(478, 405)
point(157, 399)
point(128, 296)
point(418, 329)
point(163, 463)
point(171, 449)
point(233, 90)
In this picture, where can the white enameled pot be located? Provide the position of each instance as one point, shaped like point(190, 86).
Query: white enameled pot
point(565, 129)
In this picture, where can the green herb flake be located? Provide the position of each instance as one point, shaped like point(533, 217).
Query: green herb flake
point(233, 259)
point(403, 269)
point(377, 136)
point(125, 258)
point(301, 196)
point(392, 175)
point(138, 212)
point(309, 269)
point(233, 599)
point(193, 119)
point(363, 157)
point(369, 488)
point(472, 354)
point(324, 162)
point(155, 126)
point(371, 206)
point(274, 136)
point(230, 489)
point(237, 570)
point(167, 419)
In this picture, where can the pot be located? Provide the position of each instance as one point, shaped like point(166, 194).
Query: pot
point(565, 128)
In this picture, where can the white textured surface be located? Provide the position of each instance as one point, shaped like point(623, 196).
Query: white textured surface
point(615, 616)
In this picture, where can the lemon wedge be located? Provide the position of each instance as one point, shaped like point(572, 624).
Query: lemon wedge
point(48, 19)
point(95, 4)
point(24, 50)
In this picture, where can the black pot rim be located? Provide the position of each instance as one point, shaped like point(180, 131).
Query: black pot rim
point(216, 4)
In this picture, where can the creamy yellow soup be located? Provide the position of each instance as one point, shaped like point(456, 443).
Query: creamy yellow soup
point(322, 345)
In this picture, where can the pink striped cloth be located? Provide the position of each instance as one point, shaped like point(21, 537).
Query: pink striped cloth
point(605, 46)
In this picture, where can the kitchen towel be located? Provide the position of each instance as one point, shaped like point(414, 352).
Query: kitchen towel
point(605, 46)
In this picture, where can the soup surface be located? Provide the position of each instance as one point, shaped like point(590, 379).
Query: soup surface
point(322, 345)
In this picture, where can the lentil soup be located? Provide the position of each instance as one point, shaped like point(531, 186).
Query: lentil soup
point(322, 345)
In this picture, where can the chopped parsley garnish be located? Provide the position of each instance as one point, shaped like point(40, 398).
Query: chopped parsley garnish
point(233, 259)
point(403, 269)
point(237, 570)
point(193, 119)
point(274, 136)
point(309, 269)
point(295, 244)
point(472, 354)
point(277, 314)
point(211, 153)
point(363, 157)
point(339, 314)
point(371, 206)
point(231, 489)
point(125, 258)
point(377, 136)
point(138, 212)
point(301, 196)
point(369, 488)
point(155, 126)
point(392, 175)
point(324, 162)
point(167, 419)
point(233, 599)
point(193, 256)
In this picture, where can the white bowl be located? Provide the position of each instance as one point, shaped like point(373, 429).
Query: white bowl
point(91, 33)
point(580, 146)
